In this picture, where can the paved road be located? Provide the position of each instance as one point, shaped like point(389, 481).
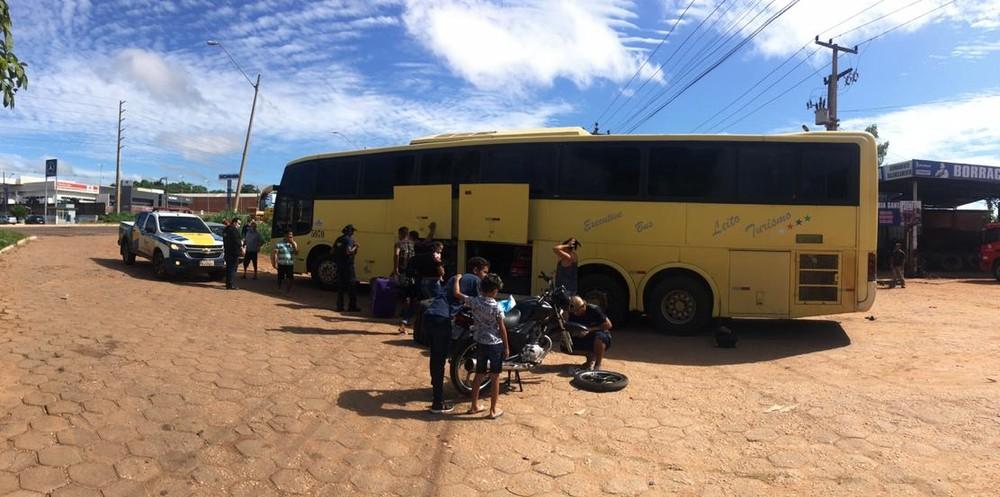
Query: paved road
point(115, 384)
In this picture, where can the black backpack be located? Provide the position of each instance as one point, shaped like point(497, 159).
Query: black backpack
point(340, 249)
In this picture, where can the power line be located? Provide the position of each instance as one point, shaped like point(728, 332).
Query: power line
point(645, 61)
point(769, 102)
point(720, 41)
point(659, 69)
point(939, 7)
point(712, 67)
point(786, 61)
point(763, 92)
point(877, 19)
point(649, 99)
point(859, 44)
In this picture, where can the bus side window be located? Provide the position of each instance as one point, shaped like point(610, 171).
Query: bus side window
point(382, 172)
point(693, 171)
point(530, 164)
point(829, 174)
point(337, 178)
point(767, 173)
point(600, 170)
point(450, 166)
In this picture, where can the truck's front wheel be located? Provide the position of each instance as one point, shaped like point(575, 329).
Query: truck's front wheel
point(996, 270)
point(159, 265)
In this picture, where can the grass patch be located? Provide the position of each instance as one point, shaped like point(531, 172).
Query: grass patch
point(9, 238)
point(117, 217)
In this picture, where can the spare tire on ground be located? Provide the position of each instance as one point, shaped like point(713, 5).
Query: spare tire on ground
point(595, 380)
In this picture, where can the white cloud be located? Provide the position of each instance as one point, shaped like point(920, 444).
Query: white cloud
point(976, 50)
point(165, 81)
point(965, 131)
point(518, 44)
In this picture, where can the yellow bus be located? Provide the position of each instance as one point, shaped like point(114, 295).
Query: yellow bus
point(682, 228)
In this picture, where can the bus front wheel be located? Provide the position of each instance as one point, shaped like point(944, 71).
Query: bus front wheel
point(325, 273)
point(605, 292)
point(679, 305)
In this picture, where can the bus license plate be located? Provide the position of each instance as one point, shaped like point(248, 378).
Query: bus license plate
point(206, 263)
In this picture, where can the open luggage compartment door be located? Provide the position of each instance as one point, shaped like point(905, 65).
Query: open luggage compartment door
point(493, 213)
point(416, 207)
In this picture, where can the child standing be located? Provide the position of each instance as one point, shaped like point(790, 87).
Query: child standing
point(490, 335)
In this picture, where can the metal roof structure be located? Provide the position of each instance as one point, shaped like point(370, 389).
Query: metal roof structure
point(938, 183)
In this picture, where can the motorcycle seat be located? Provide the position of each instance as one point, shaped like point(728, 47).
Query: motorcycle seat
point(511, 319)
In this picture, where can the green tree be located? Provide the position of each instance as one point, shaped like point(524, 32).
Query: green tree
point(19, 211)
point(12, 76)
point(248, 188)
point(883, 147)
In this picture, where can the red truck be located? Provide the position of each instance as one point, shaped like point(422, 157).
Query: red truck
point(989, 250)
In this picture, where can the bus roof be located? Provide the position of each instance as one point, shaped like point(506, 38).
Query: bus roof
point(516, 133)
point(573, 134)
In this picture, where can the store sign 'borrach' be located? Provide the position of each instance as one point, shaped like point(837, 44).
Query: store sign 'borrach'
point(951, 170)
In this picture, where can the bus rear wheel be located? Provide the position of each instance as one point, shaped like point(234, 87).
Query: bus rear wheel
point(325, 273)
point(679, 305)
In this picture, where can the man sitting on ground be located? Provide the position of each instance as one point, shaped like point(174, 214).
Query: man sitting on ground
point(597, 340)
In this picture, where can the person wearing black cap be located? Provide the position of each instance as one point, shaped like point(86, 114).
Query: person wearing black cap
point(344, 250)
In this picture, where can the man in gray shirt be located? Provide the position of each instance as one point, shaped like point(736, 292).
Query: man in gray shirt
point(251, 242)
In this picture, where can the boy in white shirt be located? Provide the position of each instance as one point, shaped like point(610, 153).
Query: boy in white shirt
point(490, 335)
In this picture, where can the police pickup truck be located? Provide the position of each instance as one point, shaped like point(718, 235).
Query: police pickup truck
point(175, 243)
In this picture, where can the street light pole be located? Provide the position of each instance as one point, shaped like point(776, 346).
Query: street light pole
point(253, 109)
point(348, 140)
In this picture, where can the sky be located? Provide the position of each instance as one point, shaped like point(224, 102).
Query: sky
point(344, 74)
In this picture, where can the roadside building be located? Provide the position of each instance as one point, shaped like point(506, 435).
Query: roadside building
point(137, 199)
point(217, 202)
point(62, 201)
point(919, 206)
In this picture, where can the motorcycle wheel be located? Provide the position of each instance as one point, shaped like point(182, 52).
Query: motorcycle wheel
point(599, 381)
point(463, 369)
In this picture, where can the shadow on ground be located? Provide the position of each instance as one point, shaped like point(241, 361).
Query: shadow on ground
point(759, 341)
point(410, 403)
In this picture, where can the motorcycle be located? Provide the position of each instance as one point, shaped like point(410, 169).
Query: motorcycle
point(531, 326)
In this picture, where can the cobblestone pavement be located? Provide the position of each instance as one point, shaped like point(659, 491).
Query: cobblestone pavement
point(114, 384)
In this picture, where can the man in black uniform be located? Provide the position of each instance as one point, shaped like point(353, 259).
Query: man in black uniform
point(232, 245)
point(344, 250)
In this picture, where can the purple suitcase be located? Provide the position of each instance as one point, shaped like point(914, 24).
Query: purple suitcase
point(383, 294)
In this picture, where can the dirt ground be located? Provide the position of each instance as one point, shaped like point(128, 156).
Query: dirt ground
point(115, 384)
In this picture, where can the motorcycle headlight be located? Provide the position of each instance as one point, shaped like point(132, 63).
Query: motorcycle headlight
point(174, 246)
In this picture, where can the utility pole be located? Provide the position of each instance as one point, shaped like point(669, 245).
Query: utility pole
point(831, 81)
point(246, 144)
point(118, 159)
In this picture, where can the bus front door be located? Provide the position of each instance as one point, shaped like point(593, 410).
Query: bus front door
point(759, 283)
point(417, 207)
point(493, 213)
